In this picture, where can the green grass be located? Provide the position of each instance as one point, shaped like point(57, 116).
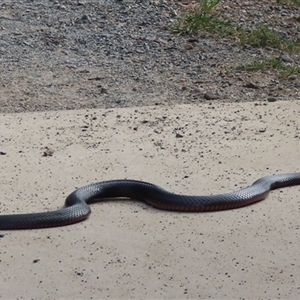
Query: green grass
point(289, 2)
point(262, 36)
point(202, 18)
point(285, 70)
point(205, 18)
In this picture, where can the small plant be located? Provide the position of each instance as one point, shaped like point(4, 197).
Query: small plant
point(285, 70)
point(289, 2)
point(202, 18)
point(263, 36)
point(205, 18)
point(208, 5)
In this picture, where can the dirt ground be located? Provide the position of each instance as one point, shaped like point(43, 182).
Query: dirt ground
point(58, 55)
point(130, 250)
point(109, 93)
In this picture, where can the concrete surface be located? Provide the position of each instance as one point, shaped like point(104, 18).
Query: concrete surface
point(127, 249)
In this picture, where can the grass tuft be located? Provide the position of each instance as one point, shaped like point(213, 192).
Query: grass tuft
point(295, 3)
point(285, 70)
point(263, 36)
point(205, 18)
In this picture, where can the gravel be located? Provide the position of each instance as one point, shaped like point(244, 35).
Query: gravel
point(67, 54)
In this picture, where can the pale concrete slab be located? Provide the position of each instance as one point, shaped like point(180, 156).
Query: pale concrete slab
point(130, 250)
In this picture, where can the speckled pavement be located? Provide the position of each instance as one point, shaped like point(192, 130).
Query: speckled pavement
point(127, 249)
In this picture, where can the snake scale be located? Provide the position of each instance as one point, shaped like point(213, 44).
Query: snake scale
point(76, 207)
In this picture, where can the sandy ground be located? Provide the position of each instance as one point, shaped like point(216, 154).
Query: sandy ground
point(128, 249)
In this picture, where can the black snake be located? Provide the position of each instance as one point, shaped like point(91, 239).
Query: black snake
point(77, 209)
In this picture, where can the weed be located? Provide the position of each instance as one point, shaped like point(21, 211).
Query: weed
point(263, 36)
point(289, 2)
point(205, 18)
point(285, 70)
point(202, 17)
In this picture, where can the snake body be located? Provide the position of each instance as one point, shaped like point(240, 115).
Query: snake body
point(77, 209)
